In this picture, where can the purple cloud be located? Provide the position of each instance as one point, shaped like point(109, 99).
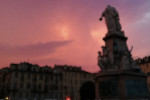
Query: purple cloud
point(38, 49)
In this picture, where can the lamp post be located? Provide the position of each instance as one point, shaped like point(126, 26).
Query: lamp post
point(7, 98)
point(68, 98)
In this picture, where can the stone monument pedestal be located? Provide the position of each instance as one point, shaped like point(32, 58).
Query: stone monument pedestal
point(120, 77)
point(121, 85)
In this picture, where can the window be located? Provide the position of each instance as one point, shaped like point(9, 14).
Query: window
point(61, 88)
point(20, 94)
point(21, 85)
point(28, 86)
point(84, 75)
point(35, 86)
point(65, 87)
point(34, 78)
point(66, 92)
point(50, 87)
point(71, 74)
point(76, 82)
point(46, 79)
point(13, 93)
point(147, 65)
point(14, 86)
point(16, 74)
point(61, 78)
point(41, 77)
point(51, 77)
point(71, 81)
point(29, 76)
point(56, 88)
point(22, 76)
point(46, 87)
point(56, 80)
point(75, 74)
point(40, 86)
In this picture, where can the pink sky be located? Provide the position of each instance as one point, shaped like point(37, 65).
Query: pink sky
point(49, 32)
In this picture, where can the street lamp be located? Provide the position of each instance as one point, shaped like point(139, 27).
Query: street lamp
point(7, 98)
point(68, 98)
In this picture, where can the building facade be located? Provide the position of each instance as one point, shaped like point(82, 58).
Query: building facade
point(73, 79)
point(30, 82)
point(144, 64)
point(25, 81)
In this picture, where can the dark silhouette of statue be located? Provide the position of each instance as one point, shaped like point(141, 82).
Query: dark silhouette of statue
point(120, 77)
point(112, 19)
point(115, 54)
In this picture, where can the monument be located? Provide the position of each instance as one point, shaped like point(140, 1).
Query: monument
point(120, 77)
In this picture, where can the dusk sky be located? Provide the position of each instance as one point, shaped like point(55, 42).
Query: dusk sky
point(48, 32)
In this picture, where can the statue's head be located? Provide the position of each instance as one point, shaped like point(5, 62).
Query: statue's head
point(108, 5)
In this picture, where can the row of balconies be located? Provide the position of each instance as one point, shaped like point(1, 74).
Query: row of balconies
point(35, 87)
point(25, 76)
point(29, 67)
point(67, 67)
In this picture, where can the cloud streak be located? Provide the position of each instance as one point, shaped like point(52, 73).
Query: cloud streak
point(39, 49)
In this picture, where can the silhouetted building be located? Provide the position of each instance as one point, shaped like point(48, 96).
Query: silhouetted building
point(30, 82)
point(25, 81)
point(144, 64)
point(73, 79)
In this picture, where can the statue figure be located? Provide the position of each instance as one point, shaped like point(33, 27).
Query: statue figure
point(112, 19)
point(100, 62)
point(125, 61)
point(105, 61)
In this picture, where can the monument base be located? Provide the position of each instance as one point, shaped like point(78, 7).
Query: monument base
point(121, 85)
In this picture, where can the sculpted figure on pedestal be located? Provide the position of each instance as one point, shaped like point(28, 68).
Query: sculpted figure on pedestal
point(112, 19)
point(105, 61)
point(116, 55)
point(125, 61)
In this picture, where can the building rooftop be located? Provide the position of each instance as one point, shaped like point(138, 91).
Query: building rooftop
point(143, 60)
point(25, 66)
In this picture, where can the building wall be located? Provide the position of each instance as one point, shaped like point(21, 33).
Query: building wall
point(27, 81)
point(40, 83)
point(73, 79)
point(145, 66)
